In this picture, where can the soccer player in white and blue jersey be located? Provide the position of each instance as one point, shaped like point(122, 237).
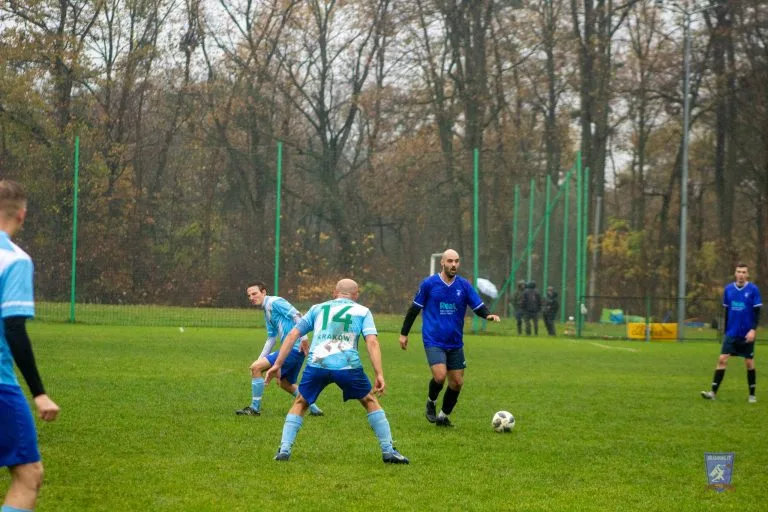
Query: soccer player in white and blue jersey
point(18, 438)
point(334, 359)
point(444, 297)
point(742, 303)
point(280, 317)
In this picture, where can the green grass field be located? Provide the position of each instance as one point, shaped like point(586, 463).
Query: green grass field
point(147, 423)
point(247, 316)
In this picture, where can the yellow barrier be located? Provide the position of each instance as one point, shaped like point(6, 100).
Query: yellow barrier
point(664, 332)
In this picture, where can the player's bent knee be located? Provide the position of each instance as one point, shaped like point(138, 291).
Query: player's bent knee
point(370, 402)
point(260, 366)
point(30, 476)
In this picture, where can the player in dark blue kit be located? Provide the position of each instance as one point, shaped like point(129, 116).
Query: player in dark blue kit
point(742, 303)
point(444, 297)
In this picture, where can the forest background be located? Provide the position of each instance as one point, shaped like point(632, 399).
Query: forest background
point(179, 106)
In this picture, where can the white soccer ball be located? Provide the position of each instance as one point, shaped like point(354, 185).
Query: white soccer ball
point(503, 421)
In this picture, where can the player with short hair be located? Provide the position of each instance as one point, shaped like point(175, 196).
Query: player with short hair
point(334, 358)
point(280, 317)
point(444, 297)
point(742, 303)
point(18, 439)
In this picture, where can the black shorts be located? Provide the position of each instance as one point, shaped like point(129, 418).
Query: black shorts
point(738, 347)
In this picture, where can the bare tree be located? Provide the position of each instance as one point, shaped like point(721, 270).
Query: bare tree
point(329, 56)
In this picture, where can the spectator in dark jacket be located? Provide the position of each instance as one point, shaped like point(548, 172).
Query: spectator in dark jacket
point(531, 307)
point(551, 305)
point(517, 302)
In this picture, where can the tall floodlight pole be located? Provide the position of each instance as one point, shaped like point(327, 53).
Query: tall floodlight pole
point(681, 278)
point(682, 271)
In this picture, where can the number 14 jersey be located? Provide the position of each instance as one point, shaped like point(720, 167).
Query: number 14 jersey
point(337, 325)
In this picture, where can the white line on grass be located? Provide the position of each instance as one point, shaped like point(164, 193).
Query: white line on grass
point(601, 345)
point(615, 348)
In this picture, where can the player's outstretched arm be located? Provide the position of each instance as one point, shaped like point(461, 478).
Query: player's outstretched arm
point(483, 312)
point(267, 347)
point(410, 317)
point(21, 349)
point(374, 353)
point(753, 332)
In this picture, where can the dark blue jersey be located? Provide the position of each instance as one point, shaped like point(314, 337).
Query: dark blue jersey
point(740, 304)
point(444, 307)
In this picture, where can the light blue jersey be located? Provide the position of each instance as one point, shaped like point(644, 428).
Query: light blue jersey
point(16, 298)
point(337, 325)
point(280, 317)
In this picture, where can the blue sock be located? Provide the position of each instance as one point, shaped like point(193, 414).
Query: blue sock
point(380, 426)
point(291, 428)
point(257, 391)
point(8, 508)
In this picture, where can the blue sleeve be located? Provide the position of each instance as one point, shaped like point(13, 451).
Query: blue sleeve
point(473, 298)
point(368, 326)
point(726, 301)
point(758, 299)
point(17, 295)
point(307, 322)
point(423, 294)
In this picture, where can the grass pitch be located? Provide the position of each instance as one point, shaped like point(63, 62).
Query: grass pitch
point(148, 423)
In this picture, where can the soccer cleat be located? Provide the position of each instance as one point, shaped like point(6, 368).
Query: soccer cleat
point(247, 411)
point(282, 455)
point(752, 399)
point(707, 395)
point(394, 457)
point(443, 422)
point(316, 411)
point(431, 412)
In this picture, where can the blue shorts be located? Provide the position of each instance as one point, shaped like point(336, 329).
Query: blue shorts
point(291, 367)
point(18, 439)
point(738, 347)
point(452, 358)
point(354, 383)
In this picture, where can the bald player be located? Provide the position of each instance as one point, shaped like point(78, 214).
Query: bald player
point(444, 297)
point(334, 358)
